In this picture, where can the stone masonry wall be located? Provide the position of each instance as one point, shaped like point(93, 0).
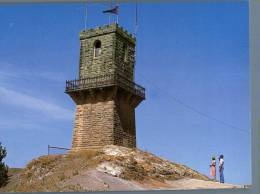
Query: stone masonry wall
point(104, 122)
point(113, 38)
point(126, 64)
point(93, 125)
point(101, 65)
point(124, 119)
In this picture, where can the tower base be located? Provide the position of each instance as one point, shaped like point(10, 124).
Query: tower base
point(106, 117)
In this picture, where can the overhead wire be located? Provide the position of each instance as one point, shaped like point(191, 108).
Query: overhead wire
point(193, 109)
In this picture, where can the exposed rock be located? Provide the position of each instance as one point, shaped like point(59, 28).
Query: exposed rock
point(110, 168)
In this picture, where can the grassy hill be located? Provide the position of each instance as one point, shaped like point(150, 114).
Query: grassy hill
point(110, 168)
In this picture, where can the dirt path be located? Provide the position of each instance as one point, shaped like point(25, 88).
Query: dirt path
point(200, 184)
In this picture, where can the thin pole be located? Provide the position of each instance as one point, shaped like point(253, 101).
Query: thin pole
point(117, 15)
point(135, 33)
point(136, 18)
point(86, 16)
point(109, 17)
point(48, 149)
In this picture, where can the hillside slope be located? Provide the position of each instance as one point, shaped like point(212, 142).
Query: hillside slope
point(110, 168)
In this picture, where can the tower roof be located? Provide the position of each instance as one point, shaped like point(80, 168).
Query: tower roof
point(107, 29)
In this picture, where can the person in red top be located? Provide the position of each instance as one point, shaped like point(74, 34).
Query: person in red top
point(213, 168)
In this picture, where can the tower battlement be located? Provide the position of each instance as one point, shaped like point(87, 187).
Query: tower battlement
point(102, 30)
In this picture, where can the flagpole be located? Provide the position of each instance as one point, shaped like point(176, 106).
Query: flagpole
point(86, 16)
point(109, 17)
point(117, 15)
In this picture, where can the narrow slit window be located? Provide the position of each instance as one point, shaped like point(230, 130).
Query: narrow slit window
point(125, 52)
point(97, 48)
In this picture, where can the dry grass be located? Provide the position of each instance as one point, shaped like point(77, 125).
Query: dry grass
point(44, 161)
point(55, 172)
point(88, 158)
point(133, 170)
point(48, 173)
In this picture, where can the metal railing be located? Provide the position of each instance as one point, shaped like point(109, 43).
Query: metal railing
point(65, 150)
point(105, 81)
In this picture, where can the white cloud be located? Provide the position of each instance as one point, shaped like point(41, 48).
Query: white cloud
point(59, 77)
point(20, 124)
point(7, 75)
point(51, 110)
point(8, 71)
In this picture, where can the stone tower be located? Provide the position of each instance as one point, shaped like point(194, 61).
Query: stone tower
point(105, 93)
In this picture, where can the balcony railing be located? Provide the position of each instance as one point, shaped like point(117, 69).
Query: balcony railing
point(105, 81)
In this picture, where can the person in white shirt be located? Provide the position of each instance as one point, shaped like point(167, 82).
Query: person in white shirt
point(221, 169)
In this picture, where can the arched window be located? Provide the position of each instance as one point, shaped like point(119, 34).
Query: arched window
point(97, 48)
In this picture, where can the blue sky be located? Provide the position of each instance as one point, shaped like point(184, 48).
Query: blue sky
point(192, 58)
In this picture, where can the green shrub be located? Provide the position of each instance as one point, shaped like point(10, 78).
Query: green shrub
point(3, 167)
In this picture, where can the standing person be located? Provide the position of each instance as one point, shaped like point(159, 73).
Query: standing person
point(213, 167)
point(221, 169)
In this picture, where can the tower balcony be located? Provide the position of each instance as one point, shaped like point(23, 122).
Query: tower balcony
point(103, 81)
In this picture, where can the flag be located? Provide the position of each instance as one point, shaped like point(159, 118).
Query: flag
point(113, 10)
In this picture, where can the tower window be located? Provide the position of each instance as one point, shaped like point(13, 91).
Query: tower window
point(97, 48)
point(125, 52)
